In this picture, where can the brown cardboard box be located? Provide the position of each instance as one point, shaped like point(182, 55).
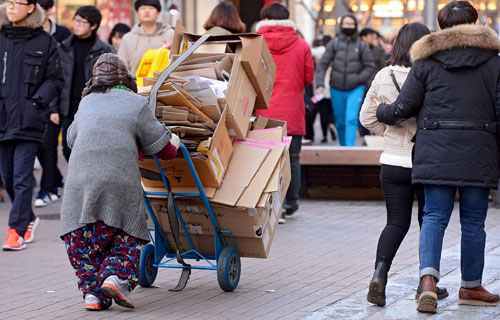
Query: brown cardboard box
point(255, 57)
point(240, 96)
point(240, 101)
point(248, 223)
point(260, 67)
point(210, 169)
point(260, 123)
point(247, 247)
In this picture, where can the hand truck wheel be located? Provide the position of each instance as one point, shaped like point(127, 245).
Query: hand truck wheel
point(147, 272)
point(229, 269)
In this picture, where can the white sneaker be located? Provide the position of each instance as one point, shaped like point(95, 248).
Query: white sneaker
point(92, 302)
point(119, 290)
point(54, 197)
point(29, 236)
point(42, 200)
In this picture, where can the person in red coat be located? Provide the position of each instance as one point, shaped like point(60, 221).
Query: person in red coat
point(294, 70)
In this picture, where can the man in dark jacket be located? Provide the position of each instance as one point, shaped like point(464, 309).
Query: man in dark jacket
point(370, 37)
point(52, 179)
point(31, 78)
point(79, 53)
point(453, 91)
point(352, 68)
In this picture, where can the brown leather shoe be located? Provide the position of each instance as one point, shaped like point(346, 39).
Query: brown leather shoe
point(427, 302)
point(477, 296)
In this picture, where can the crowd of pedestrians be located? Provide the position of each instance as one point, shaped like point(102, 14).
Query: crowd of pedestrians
point(435, 100)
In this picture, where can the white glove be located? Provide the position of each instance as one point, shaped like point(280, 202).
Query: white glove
point(175, 140)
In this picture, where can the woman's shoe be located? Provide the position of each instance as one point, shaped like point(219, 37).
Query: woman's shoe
point(478, 296)
point(427, 302)
point(92, 302)
point(376, 291)
point(332, 132)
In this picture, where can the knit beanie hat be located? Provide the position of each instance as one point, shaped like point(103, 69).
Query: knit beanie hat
point(152, 3)
point(110, 71)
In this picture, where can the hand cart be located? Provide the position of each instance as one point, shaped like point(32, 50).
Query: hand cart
point(226, 256)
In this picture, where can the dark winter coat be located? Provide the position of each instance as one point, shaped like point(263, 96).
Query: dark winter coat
point(453, 89)
point(30, 77)
point(68, 58)
point(352, 67)
point(58, 32)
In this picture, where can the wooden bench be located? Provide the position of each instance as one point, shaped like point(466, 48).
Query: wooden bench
point(340, 172)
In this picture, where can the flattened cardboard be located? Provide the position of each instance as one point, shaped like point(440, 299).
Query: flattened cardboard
point(272, 134)
point(175, 98)
point(252, 193)
point(202, 72)
point(266, 123)
point(212, 48)
point(256, 59)
point(240, 99)
point(260, 67)
point(245, 163)
point(208, 191)
point(210, 168)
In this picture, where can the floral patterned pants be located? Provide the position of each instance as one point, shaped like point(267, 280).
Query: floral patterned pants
point(97, 251)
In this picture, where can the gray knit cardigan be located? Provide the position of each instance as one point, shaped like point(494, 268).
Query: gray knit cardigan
point(103, 181)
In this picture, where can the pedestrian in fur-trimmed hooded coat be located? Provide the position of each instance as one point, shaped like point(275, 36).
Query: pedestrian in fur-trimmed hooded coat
point(453, 90)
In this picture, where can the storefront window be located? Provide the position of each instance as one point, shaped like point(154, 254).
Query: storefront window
point(66, 10)
point(112, 12)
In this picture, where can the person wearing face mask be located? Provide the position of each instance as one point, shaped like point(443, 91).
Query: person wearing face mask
point(352, 66)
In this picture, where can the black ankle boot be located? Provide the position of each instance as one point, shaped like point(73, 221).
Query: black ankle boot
point(376, 291)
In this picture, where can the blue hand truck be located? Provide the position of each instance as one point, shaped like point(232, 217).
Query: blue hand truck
point(226, 257)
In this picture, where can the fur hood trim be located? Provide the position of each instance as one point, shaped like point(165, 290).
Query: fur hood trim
point(273, 23)
point(35, 19)
point(461, 36)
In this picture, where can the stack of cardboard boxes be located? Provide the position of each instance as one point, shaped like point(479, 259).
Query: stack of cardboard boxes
point(243, 165)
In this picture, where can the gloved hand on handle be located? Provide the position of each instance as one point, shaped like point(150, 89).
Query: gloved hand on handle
point(170, 150)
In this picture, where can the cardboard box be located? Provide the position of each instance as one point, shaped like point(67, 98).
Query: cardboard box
point(254, 53)
point(211, 168)
point(247, 247)
point(240, 99)
point(240, 94)
point(260, 67)
point(242, 222)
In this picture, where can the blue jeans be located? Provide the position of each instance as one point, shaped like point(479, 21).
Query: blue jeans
point(439, 202)
point(292, 195)
point(346, 106)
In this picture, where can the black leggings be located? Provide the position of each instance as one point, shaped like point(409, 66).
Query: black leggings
point(399, 194)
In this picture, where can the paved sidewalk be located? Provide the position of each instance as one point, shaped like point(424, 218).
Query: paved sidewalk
point(319, 268)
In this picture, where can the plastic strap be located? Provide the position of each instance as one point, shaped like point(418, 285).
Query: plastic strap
point(150, 174)
point(217, 162)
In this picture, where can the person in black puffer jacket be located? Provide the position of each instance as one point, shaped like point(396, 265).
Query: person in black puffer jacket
point(352, 67)
point(453, 89)
point(31, 77)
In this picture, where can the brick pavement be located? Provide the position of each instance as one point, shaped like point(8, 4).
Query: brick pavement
point(319, 268)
